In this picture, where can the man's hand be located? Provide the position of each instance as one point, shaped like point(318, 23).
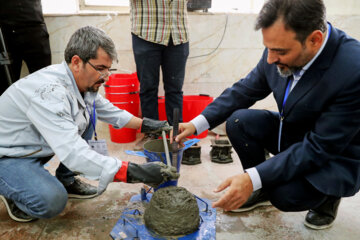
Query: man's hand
point(152, 174)
point(185, 129)
point(154, 126)
point(238, 193)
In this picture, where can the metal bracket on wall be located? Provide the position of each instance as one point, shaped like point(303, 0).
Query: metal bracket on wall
point(221, 151)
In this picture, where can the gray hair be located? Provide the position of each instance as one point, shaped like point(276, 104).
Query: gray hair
point(86, 41)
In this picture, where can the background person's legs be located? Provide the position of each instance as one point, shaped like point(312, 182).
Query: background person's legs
point(16, 60)
point(33, 189)
point(36, 48)
point(173, 69)
point(148, 59)
point(31, 44)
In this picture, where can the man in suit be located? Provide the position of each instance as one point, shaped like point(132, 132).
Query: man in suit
point(313, 71)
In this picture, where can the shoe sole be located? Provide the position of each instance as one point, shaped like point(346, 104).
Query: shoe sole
point(315, 227)
point(222, 161)
point(260, 204)
point(10, 213)
point(76, 196)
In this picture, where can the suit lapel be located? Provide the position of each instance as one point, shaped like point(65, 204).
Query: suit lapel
point(314, 74)
point(305, 84)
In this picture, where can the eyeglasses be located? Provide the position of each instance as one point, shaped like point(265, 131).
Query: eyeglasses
point(103, 74)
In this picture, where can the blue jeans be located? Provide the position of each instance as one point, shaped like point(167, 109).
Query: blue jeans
point(33, 189)
point(149, 57)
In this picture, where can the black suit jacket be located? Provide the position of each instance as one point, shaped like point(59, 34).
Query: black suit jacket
point(321, 130)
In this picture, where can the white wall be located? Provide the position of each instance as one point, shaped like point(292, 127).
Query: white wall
point(238, 53)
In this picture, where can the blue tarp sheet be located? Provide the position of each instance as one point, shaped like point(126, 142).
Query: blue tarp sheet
point(131, 225)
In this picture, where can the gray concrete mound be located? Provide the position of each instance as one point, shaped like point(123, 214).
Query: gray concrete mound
point(172, 211)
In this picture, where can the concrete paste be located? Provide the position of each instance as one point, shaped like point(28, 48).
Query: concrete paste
point(172, 211)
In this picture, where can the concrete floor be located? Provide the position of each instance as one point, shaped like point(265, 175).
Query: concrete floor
point(95, 218)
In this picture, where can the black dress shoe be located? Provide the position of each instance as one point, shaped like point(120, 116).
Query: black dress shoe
point(257, 199)
point(81, 190)
point(323, 217)
point(14, 212)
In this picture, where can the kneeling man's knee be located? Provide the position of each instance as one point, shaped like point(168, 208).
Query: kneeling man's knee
point(235, 122)
point(49, 205)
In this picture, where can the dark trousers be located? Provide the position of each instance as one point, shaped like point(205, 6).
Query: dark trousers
point(251, 131)
point(149, 57)
point(25, 43)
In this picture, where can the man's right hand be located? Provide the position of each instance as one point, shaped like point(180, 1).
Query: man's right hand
point(154, 126)
point(239, 190)
point(185, 129)
point(152, 174)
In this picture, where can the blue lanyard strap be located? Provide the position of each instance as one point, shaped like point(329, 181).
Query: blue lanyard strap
point(286, 96)
point(282, 111)
point(93, 118)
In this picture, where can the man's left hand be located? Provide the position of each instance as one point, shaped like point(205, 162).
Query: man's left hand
point(154, 126)
point(240, 189)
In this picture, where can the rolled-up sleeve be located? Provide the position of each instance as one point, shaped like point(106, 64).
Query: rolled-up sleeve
point(111, 114)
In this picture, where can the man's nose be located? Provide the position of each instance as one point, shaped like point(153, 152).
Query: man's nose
point(272, 57)
point(106, 78)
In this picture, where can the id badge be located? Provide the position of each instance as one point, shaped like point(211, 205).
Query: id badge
point(99, 146)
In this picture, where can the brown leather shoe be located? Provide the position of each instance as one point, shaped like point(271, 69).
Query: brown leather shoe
point(324, 216)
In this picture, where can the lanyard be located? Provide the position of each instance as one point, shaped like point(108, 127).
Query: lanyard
point(282, 111)
point(93, 118)
point(285, 97)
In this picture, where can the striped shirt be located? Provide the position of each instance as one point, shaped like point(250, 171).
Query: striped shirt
point(156, 20)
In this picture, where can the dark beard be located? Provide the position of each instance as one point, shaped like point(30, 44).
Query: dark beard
point(93, 88)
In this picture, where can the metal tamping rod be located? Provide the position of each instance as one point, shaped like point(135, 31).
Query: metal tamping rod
point(174, 144)
point(166, 149)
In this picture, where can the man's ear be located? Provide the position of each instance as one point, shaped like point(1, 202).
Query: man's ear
point(76, 63)
point(316, 38)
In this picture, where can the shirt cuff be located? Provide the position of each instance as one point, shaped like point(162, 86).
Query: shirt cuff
point(255, 178)
point(200, 123)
